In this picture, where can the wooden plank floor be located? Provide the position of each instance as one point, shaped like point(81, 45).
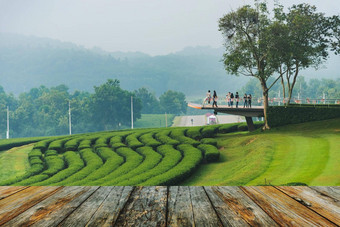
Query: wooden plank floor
point(170, 206)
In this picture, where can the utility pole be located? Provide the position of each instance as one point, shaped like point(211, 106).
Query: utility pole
point(166, 120)
point(7, 133)
point(131, 112)
point(69, 117)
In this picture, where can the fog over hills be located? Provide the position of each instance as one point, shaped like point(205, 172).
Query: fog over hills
point(27, 62)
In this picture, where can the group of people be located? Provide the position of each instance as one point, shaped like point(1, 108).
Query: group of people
point(230, 98)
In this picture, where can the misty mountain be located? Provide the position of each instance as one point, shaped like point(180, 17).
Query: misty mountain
point(27, 62)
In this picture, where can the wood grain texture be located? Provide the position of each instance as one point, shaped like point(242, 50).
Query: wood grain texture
point(8, 190)
point(109, 210)
point(312, 199)
point(284, 209)
point(180, 211)
point(54, 209)
point(17, 203)
point(332, 192)
point(242, 207)
point(145, 207)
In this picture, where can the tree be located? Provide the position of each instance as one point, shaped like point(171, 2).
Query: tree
point(111, 106)
point(173, 102)
point(248, 45)
point(149, 101)
point(302, 40)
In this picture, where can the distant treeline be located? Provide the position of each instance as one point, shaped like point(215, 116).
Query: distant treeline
point(44, 111)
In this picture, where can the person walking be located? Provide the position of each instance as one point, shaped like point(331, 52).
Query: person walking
point(214, 99)
point(237, 99)
point(231, 99)
point(245, 100)
point(249, 100)
point(207, 98)
point(228, 99)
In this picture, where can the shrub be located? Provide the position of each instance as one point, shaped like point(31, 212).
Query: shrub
point(35, 160)
point(111, 162)
point(54, 164)
point(171, 157)
point(210, 141)
point(151, 159)
point(163, 137)
point(133, 142)
point(209, 131)
point(178, 134)
point(132, 161)
point(116, 139)
point(194, 132)
point(42, 145)
point(228, 128)
point(74, 164)
point(72, 145)
point(92, 162)
point(85, 143)
point(242, 127)
point(17, 142)
point(148, 140)
point(58, 145)
point(33, 170)
point(211, 153)
point(50, 153)
point(281, 115)
point(192, 158)
point(31, 180)
point(35, 153)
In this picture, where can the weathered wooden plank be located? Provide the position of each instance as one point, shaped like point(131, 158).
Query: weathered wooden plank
point(146, 206)
point(332, 192)
point(109, 210)
point(283, 209)
point(235, 208)
point(180, 212)
point(204, 213)
point(55, 208)
point(10, 190)
point(323, 205)
point(85, 211)
point(14, 205)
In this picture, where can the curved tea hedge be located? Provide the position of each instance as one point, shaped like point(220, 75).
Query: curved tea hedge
point(130, 157)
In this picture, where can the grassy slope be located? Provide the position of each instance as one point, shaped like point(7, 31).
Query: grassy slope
point(154, 121)
point(307, 153)
point(14, 162)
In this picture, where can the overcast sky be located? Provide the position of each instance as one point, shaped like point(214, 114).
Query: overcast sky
point(155, 27)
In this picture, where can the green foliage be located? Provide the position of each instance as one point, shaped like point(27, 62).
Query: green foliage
point(154, 121)
point(72, 145)
point(73, 162)
point(194, 132)
point(228, 128)
point(163, 137)
point(192, 157)
point(211, 153)
point(6, 144)
point(210, 141)
point(171, 157)
point(92, 162)
point(50, 153)
point(133, 142)
point(209, 131)
point(58, 145)
point(151, 159)
point(280, 115)
point(173, 102)
point(111, 162)
point(54, 164)
point(149, 140)
point(179, 135)
point(35, 153)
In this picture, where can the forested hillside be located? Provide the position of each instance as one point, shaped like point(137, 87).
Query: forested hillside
point(28, 62)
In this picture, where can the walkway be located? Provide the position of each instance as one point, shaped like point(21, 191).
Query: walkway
point(169, 206)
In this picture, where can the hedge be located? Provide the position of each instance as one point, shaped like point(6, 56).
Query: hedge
point(210, 141)
point(72, 145)
point(92, 162)
point(133, 142)
point(164, 138)
point(194, 132)
point(132, 161)
point(74, 164)
point(85, 143)
point(192, 158)
point(111, 162)
point(58, 145)
point(228, 128)
point(283, 115)
point(211, 153)
point(54, 164)
point(209, 131)
point(151, 159)
point(50, 153)
point(171, 157)
point(178, 134)
point(33, 170)
point(42, 145)
point(7, 144)
point(148, 140)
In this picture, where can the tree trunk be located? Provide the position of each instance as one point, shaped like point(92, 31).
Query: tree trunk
point(265, 103)
point(283, 88)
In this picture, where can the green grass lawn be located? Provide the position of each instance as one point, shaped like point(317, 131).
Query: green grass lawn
point(14, 162)
point(305, 153)
point(154, 121)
